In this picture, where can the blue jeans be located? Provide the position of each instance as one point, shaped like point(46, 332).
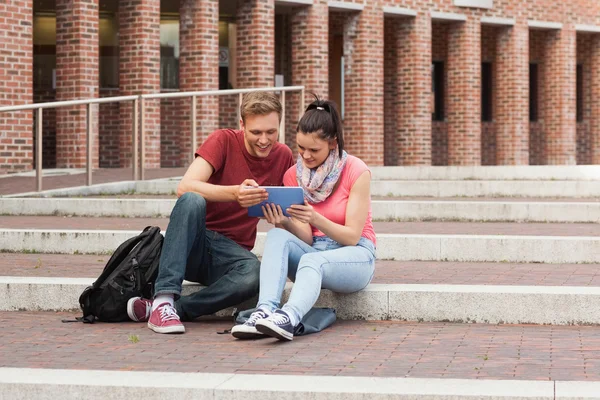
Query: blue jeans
point(326, 264)
point(194, 253)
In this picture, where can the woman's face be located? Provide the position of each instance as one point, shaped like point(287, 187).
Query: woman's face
point(313, 149)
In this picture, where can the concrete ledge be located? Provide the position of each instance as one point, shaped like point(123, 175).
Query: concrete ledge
point(587, 28)
point(577, 390)
point(489, 4)
point(49, 384)
point(454, 303)
point(295, 2)
point(111, 188)
point(345, 6)
point(383, 210)
point(401, 247)
point(489, 173)
point(494, 188)
point(448, 17)
point(544, 25)
point(399, 11)
point(497, 21)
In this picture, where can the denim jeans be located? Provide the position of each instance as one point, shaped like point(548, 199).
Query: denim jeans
point(194, 253)
point(326, 264)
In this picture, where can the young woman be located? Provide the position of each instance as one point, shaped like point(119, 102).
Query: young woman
point(328, 242)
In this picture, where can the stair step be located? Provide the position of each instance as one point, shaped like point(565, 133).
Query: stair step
point(566, 305)
point(386, 209)
point(386, 272)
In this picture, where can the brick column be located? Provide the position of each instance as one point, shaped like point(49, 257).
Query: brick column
point(198, 69)
point(255, 43)
point(77, 77)
point(16, 84)
point(512, 96)
point(363, 68)
point(464, 93)
point(413, 110)
point(310, 49)
point(560, 105)
point(594, 103)
point(139, 73)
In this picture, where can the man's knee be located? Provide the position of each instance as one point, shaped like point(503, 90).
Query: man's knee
point(191, 203)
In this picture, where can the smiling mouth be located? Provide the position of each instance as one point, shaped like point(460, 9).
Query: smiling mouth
point(263, 148)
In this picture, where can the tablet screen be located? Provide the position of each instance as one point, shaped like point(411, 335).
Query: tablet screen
point(284, 196)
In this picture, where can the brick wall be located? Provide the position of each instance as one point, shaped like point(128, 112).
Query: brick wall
point(255, 43)
point(16, 84)
point(595, 105)
point(139, 66)
point(76, 78)
point(172, 140)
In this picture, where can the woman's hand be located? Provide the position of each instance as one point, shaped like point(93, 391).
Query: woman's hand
point(273, 214)
point(303, 213)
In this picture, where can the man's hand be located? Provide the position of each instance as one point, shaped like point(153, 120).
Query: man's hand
point(273, 214)
point(249, 194)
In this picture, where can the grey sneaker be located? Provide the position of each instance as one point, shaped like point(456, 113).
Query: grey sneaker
point(247, 330)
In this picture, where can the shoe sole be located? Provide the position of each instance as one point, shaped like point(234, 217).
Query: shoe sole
point(167, 329)
point(246, 335)
point(130, 312)
point(272, 330)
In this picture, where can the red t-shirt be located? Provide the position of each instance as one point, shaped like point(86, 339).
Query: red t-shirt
point(225, 150)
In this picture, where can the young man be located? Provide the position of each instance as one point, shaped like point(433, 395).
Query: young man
point(210, 235)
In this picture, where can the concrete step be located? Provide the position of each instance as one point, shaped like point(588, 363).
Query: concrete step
point(386, 272)
point(395, 188)
point(493, 304)
point(528, 172)
point(381, 227)
point(402, 247)
point(399, 210)
point(70, 384)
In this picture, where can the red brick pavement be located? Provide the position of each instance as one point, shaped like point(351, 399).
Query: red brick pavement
point(23, 184)
point(348, 348)
point(412, 272)
point(437, 228)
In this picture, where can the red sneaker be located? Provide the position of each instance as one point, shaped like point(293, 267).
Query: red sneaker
point(139, 309)
point(165, 320)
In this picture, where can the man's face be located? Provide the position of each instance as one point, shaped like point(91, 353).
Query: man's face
point(261, 133)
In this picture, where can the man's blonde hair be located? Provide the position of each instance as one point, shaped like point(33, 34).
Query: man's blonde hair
point(260, 103)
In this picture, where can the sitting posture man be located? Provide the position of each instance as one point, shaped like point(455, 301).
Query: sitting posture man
point(210, 235)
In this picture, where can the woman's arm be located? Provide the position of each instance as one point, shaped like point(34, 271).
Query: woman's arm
point(357, 211)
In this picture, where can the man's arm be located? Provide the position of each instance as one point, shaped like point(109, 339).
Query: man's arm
point(196, 180)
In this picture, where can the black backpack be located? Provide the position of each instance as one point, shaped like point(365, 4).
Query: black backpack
point(130, 272)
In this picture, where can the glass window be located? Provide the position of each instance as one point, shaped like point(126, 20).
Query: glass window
point(169, 51)
point(533, 92)
point(44, 50)
point(579, 93)
point(438, 90)
point(108, 31)
point(486, 92)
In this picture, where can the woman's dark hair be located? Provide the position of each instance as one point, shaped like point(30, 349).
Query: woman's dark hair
point(322, 118)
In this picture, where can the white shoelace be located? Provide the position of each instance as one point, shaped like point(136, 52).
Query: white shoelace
point(279, 319)
point(256, 315)
point(168, 313)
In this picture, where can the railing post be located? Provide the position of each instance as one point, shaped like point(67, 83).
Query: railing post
point(282, 123)
point(301, 102)
point(142, 136)
point(88, 145)
point(134, 137)
point(194, 128)
point(38, 150)
point(239, 112)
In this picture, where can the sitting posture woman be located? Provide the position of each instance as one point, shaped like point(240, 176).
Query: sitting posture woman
point(328, 242)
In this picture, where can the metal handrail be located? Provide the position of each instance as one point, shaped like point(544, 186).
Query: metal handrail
point(139, 122)
point(196, 94)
